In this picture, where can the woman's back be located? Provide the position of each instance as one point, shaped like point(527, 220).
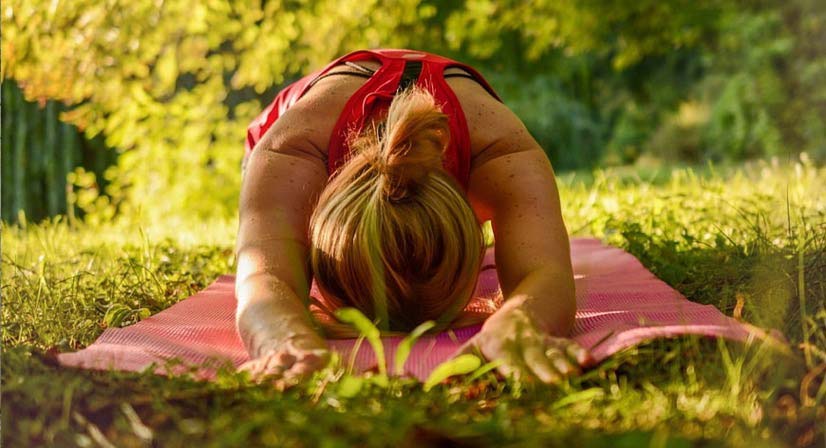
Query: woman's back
point(358, 87)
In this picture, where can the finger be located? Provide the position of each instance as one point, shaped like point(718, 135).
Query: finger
point(304, 367)
point(273, 366)
point(572, 349)
point(510, 370)
point(308, 365)
point(320, 357)
point(284, 359)
point(563, 365)
point(282, 383)
point(579, 354)
point(299, 372)
point(256, 370)
point(540, 365)
point(512, 365)
point(245, 367)
point(251, 367)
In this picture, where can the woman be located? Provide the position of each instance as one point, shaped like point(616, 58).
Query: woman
point(373, 176)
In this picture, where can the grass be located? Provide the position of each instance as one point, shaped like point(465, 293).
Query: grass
point(749, 240)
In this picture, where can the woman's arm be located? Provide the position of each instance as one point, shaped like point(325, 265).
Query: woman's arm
point(533, 257)
point(283, 179)
point(512, 184)
point(285, 174)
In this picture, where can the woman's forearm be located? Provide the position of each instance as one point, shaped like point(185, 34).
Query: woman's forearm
point(269, 313)
point(548, 296)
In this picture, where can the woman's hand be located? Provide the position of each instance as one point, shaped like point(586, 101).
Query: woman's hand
point(511, 337)
point(289, 360)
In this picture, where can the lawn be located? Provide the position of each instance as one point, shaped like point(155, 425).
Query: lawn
point(750, 240)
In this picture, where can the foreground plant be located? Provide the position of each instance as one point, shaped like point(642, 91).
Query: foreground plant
point(725, 239)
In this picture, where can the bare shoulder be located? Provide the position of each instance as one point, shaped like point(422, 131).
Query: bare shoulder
point(494, 129)
point(506, 161)
point(307, 126)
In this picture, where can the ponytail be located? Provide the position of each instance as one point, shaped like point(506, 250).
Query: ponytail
point(412, 146)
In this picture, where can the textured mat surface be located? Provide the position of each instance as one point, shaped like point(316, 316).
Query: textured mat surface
point(619, 304)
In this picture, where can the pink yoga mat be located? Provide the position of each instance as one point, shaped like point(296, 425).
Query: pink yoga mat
point(619, 304)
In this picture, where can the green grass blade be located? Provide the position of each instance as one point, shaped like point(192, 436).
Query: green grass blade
point(576, 397)
point(350, 386)
point(484, 369)
point(460, 365)
point(355, 318)
point(403, 351)
point(352, 361)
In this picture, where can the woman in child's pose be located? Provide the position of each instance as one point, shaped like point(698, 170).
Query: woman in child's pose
point(373, 176)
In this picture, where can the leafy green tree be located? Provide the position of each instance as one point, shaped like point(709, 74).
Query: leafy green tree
point(172, 85)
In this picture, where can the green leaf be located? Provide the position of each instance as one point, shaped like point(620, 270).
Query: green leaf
point(484, 369)
point(167, 70)
point(380, 380)
point(584, 395)
point(460, 365)
point(355, 318)
point(115, 315)
point(403, 351)
point(350, 385)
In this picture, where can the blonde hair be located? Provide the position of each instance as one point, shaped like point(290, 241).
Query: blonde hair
point(392, 233)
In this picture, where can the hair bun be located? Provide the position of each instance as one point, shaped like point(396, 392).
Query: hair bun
point(416, 135)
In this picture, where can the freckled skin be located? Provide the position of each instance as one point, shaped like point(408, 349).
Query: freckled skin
point(511, 183)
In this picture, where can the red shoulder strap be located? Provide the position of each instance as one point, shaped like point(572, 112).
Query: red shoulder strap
point(375, 96)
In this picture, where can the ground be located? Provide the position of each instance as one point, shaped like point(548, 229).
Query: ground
point(750, 240)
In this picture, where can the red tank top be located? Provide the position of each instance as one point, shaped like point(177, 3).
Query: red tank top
point(374, 97)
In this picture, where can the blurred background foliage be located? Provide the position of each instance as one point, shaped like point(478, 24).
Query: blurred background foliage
point(164, 89)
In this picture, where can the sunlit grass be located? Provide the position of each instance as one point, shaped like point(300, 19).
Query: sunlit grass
point(749, 240)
